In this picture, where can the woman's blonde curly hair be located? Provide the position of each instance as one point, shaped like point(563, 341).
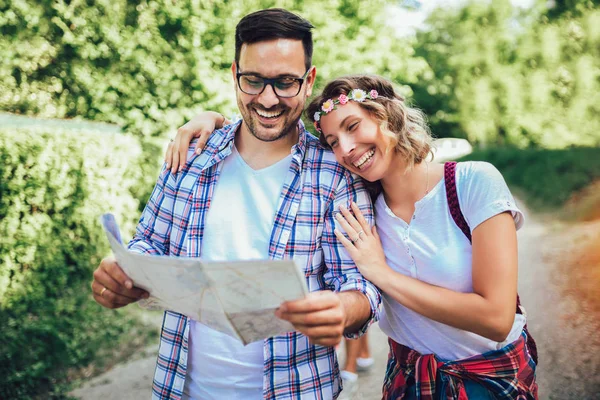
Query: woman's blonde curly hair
point(405, 125)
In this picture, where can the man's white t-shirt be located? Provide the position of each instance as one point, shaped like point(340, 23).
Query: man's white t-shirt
point(238, 227)
point(434, 250)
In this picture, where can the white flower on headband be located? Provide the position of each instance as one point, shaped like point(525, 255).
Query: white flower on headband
point(317, 116)
point(358, 95)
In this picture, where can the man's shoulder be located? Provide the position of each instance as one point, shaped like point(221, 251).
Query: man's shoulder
point(217, 140)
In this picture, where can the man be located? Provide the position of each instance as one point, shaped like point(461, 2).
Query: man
point(262, 188)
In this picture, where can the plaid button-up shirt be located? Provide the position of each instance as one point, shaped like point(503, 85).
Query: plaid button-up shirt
point(316, 185)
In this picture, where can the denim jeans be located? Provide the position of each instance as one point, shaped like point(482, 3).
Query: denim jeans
point(474, 390)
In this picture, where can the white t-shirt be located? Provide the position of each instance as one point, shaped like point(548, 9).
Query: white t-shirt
point(433, 249)
point(238, 227)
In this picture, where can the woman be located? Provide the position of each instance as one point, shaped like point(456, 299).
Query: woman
point(444, 252)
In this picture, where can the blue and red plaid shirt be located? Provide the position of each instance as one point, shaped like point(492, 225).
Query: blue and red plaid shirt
point(173, 224)
point(507, 373)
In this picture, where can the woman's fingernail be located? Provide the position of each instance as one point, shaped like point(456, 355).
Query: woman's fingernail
point(198, 150)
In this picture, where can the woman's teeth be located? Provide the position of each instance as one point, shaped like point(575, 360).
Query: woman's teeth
point(366, 157)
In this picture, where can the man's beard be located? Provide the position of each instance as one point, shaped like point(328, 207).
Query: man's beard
point(255, 127)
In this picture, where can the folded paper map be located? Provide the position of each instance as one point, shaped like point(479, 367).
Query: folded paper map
point(237, 298)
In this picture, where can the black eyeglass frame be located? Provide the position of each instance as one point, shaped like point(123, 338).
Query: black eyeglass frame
point(270, 81)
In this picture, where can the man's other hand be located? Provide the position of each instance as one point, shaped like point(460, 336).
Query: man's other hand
point(320, 316)
point(112, 288)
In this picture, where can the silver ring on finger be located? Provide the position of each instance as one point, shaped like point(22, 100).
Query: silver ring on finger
point(356, 240)
point(362, 232)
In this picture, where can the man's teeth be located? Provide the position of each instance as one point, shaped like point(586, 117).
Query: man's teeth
point(366, 157)
point(269, 114)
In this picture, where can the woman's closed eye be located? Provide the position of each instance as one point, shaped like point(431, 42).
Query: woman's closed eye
point(353, 126)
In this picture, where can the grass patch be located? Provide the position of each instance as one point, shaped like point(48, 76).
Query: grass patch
point(548, 179)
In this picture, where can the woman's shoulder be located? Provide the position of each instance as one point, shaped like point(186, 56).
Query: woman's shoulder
point(483, 192)
point(477, 170)
point(479, 175)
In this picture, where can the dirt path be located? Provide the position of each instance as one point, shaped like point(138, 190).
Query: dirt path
point(561, 319)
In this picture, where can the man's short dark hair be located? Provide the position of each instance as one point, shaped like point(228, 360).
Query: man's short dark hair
point(274, 23)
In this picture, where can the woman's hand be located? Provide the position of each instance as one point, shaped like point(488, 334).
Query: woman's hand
point(201, 126)
point(364, 244)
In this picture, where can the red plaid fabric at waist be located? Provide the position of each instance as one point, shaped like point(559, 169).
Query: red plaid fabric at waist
point(508, 373)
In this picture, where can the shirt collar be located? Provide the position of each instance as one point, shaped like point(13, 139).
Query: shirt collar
point(298, 150)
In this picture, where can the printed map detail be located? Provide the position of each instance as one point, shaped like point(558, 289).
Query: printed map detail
point(237, 298)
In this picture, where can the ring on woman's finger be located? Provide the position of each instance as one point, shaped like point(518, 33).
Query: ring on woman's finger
point(360, 233)
point(356, 240)
point(102, 292)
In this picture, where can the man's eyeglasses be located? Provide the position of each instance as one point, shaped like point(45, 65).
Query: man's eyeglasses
point(283, 87)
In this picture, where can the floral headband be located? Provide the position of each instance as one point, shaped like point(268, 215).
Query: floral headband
point(330, 104)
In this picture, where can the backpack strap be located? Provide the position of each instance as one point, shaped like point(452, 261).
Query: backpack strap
point(461, 222)
point(452, 198)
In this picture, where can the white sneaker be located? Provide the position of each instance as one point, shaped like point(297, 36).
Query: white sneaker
point(364, 364)
point(350, 385)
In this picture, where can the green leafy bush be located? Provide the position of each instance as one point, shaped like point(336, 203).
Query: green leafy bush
point(546, 178)
point(54, 185)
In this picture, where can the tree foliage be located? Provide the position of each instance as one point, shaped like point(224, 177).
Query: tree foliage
point(569, 8)
point(503, 77)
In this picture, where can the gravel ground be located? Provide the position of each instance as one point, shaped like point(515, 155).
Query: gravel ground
point(563, 325)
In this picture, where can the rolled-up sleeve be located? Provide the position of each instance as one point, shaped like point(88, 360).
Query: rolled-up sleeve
point(342, 274)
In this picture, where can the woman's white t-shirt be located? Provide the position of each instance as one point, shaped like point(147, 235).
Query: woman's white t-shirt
point(433, 249)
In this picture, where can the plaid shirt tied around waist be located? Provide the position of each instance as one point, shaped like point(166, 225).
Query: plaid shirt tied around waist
point(508, 373)
point(316, 185)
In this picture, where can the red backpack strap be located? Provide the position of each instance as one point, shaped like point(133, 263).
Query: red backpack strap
point(452, 198)
point(461, 222)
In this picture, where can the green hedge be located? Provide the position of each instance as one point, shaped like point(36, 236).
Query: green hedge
point(54, 185)
point(546, 178)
